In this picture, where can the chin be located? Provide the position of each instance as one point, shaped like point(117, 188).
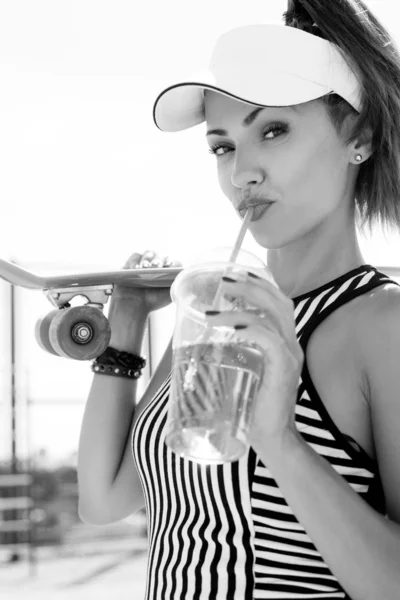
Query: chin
point(276, 237)
point(268, 240)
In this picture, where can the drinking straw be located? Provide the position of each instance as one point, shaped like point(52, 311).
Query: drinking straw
point(242, 233)
point(192, 369)
point(235, 251)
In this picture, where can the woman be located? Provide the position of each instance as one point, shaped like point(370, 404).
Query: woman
point(312, 139)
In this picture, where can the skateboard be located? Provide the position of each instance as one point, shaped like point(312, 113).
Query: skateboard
point(81, 332)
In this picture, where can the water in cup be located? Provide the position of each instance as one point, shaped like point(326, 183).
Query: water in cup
point(213, 395)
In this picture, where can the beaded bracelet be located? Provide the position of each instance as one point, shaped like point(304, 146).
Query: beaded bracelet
point(119, 363)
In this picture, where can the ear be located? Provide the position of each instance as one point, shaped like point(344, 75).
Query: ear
point(361, 146)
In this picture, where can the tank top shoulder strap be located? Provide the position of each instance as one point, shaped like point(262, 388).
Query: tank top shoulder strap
point(313, 307)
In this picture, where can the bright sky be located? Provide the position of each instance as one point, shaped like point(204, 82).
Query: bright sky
point(86, 178)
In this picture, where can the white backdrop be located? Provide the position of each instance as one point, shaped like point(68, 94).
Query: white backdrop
point(85, 176)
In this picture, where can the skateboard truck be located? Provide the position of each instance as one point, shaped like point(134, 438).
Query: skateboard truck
point(97, 295)
point(79, 332)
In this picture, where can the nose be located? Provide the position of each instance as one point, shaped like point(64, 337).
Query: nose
point(246, 171)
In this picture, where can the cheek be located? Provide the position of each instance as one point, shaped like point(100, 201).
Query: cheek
point(315, 175)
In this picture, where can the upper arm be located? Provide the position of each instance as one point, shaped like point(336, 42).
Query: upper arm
point(126, 495)
point(382, 348)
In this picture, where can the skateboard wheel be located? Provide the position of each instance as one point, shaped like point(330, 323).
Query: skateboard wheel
point(42, 332)
point(80, 332)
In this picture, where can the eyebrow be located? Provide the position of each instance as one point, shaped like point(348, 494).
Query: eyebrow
point(247, 121)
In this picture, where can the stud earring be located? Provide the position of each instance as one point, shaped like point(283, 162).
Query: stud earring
point(359, 157)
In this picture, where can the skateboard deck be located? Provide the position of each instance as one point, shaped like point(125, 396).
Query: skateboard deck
point(81, 332)
point(160, 277)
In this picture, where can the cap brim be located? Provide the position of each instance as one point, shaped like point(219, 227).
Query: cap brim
point(181, 106)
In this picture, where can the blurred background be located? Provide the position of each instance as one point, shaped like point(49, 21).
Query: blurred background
point(87, 179)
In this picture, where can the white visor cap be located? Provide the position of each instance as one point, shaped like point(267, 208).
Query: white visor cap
point(265, 65)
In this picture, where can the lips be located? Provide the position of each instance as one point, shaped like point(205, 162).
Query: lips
point(259, 209)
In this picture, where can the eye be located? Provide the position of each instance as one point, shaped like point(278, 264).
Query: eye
point(219, 149)
point(270, 133)
point(274, 131)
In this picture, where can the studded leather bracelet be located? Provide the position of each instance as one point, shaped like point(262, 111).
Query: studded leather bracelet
point(119, 363)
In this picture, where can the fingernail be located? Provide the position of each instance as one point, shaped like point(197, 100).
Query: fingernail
point(211, 313)
point(253, 275)
point(229, 279)
point(238, 327)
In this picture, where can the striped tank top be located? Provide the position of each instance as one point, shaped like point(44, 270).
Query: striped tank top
point(225, 532)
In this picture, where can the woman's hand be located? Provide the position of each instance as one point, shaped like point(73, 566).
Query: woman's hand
point(143, 300)
point(271, 325)
point(130, 307)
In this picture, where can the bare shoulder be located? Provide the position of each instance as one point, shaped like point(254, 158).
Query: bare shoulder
point(377, 313)
point(378, 328)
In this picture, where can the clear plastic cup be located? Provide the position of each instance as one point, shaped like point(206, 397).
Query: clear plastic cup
point(215, 372)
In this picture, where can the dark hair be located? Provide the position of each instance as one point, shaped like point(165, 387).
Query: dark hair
point(369, 49)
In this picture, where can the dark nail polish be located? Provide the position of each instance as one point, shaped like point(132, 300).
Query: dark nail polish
point(238, 327)
point(253, 275)
point(228, 279)
point(211, 313)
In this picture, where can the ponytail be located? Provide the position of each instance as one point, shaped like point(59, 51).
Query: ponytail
point(371, 52)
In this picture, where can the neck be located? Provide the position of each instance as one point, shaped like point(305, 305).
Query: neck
point(315, 260)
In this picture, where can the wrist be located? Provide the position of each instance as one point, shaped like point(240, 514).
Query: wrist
point(279, 445)
point(126, 334)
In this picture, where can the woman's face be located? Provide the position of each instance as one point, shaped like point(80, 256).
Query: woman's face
point(291, 156)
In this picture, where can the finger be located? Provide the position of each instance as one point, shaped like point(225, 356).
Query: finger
point(252, 327)
point(147, 258)
point(156, 263)
point(264, 303)
point(255, 330)
point(133, 261)
point(168, 262)
point(278, 353)
point(146, 264)
point(263, 283)
point(243, 320)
